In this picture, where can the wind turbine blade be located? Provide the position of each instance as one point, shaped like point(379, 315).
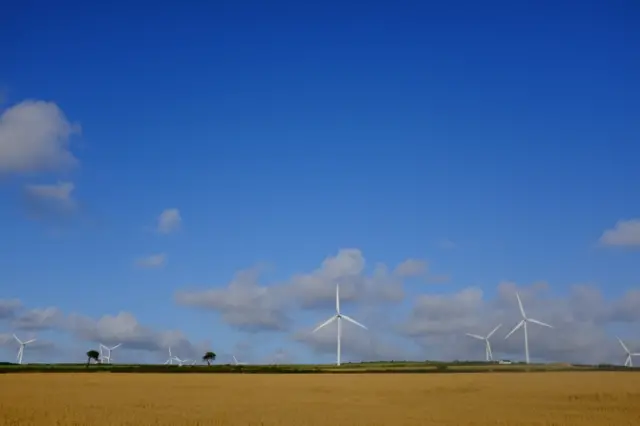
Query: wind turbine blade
point(116, 346)
point(475, 336)
point(29, 341)
point(354, 321)
point(494, 330)
point(535, 321)
point(16, 337)
point(338, 298)
point(520, 305)
point(327, 322)
point(623, 345)
point(514, 329)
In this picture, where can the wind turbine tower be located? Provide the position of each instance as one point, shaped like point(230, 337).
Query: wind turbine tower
point(488, 352)
point(338, 317)
point(22, 346)
point(523, 324)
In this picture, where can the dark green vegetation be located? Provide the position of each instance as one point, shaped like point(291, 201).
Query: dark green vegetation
point(209, 357)
point(92, 355)
point(367, 367)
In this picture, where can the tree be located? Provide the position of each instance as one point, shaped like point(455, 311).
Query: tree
point(92, 354)
point(209, 356)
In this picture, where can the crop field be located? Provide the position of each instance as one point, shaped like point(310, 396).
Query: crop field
point(552, 398)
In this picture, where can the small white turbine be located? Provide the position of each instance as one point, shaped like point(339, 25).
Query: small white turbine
point(236, 362)
point(181, 362)
point(106, 359)
point(488, 352)
point(171, 358)
point(523, 323)
point(22, 346)
point(628, 362)
point(338, 317)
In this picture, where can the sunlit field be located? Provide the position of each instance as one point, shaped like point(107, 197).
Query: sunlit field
point(563, 399)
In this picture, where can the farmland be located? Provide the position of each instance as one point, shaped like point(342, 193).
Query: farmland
point(406, 367)
point(552, 398)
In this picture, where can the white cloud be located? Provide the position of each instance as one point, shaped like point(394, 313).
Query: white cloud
point(624, 233)
point(347, 268)
point(152, 261)
point(437, 323)
point(411, 268)
point(357, 344)
point(108, 329)
point(34, 137)
point(169, 221)
point(35, 351)
point(51, 199)
point(38, 319)
point(121, 328)
point(246, 304)
point(9, 308)
point(581, 323)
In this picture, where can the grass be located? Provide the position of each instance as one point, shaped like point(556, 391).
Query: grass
point(563, 399)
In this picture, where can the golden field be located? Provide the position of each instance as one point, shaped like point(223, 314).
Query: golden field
point(563, 399)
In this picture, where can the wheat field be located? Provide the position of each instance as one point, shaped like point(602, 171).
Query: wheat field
point(563, 399)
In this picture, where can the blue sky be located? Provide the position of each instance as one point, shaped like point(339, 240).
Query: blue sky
point(495, 143)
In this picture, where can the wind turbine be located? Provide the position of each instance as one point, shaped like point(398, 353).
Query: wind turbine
point(628, 362)
point(488, 352)
point(523, 323)
point(236, 362)
point(107, 357)
point(171, 358)
point(338, 317)
point(181, 362)
point(22, 346)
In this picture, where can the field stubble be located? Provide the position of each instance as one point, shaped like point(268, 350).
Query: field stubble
point(563, 399)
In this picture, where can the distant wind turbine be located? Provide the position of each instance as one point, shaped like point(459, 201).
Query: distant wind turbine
point(22, 346)
point(171, 358)
point(488, 352)
point(338, 317)
point(523, 323)
point(236, 362)
point(629, 361)
point(105, 357)
point(181, 362)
